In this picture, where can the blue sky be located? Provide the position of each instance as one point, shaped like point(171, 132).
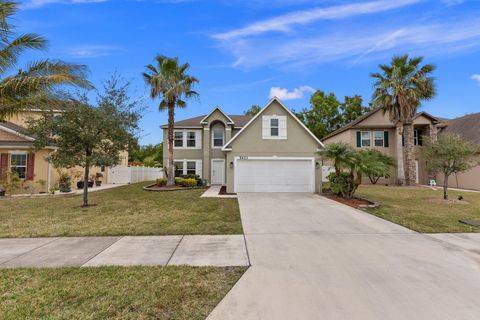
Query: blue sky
point(244, 51)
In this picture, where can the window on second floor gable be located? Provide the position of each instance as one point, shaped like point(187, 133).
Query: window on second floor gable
point(366, 138)
point(274, 127)
point(218, 137)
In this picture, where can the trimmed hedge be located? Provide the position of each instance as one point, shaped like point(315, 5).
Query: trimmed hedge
point(191, 182)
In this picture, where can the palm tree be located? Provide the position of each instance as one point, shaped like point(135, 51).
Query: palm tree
point(399, 90)
point(340, 153)
point(33, 85)
point(169, 81)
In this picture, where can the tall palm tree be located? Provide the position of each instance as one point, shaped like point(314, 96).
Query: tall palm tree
point(169, 81)
point(33, 85)
point(400, 90)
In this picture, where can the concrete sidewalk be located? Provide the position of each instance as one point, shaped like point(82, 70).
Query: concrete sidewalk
point(201, 250)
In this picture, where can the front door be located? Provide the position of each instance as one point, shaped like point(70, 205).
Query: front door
point(218, 171)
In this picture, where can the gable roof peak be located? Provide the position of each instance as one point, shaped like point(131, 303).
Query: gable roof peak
point(229, 120)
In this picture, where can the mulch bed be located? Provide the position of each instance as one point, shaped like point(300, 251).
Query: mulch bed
point(223, 191)
point(157, 188)
point(356, 203)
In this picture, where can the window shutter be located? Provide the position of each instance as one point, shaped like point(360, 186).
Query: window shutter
point(420, 137)
point(265, 127)
point(30, 166)
point(359, 139)
point(198, 168)
point(385, 139)
point(282, 124)
point(3, 163)
point(198, 139)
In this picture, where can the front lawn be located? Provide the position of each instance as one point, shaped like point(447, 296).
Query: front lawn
point(422, 209)
point(114, 292)
point(125, 210)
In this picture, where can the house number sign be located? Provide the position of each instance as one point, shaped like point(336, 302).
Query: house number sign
point(243, 157)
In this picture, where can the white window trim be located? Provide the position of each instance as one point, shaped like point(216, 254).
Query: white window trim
point(213, 139)
point(361, 139)
point(198, 138)
point(383, 138)
point(198, 165)
point(266, 132)
point(21, 153)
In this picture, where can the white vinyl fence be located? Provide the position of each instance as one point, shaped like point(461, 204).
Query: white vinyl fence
point(127, 174)
point(326, 170)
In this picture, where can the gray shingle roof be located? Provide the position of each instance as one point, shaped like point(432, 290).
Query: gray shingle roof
point(13, 126)
point(467, 126)
point(239, 120)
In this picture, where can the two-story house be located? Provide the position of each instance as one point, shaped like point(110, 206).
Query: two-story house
point(375, 130)
point(270, 152)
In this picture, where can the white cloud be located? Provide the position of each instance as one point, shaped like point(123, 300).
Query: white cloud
point(40, 3)
point(91, 51)
point(476, 77)
point(284, 94)
point(285, 23)
point(356, 45)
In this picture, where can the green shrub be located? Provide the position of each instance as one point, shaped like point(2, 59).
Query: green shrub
point(343, 186)
point(162, 182)
point(186, 182)
point(193, 176)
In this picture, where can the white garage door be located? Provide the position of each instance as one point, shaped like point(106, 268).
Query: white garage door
point(274, 175)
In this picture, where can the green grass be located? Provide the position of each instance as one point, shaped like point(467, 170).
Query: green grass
point(125, 210)
point(422, 209)
point(114, 292)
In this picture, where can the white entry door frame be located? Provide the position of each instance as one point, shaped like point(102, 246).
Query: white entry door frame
point(217, 172)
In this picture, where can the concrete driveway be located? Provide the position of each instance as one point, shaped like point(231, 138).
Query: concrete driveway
point(313, 258)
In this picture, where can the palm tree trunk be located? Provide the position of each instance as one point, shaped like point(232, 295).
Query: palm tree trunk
point(400, 163)
point(410, 170)
point(171, 167)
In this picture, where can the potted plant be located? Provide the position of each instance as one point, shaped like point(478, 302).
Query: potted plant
point(64, 182)
point(91, 180)
point(9, 182)
point(98, 179)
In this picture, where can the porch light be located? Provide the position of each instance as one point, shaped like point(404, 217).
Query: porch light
point(231, 164)
point(317, 165)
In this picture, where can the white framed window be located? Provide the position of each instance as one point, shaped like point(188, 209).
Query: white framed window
point(417, 137)
point(274, 127)
point(191, 167)
point(191, 139)
point(217, 137)
point(188, 166)
point(366, 138)
point(379, 138)
point(187, 139)
point(178, 139)
point(178, 168)
point(18, 164)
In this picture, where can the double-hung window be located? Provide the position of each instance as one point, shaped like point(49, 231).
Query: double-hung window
point(191, 167)
point(418, 137)
point(18, 164)
point(191, 139)
point(366, 138)
point(274, 126)
point(379, 138)
point(178, 168)
point(217, 137)
point(178, 139)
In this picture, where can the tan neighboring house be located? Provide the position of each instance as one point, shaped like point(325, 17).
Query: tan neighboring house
point(270, 152)
point(374, 130)
point(17, 154)
point(469, 128)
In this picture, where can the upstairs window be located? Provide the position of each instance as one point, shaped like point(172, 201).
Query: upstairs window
point(379, 139)
point(366, 138)
point(18, 164)
point(218, 137)
point(178, 139)
point(191, 138)
point(274, 126)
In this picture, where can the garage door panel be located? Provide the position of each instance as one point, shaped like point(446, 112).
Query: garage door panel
point(271, 175)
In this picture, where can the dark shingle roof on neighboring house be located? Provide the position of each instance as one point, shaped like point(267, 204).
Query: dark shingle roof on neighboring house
point(239, 120)
point(467, 126)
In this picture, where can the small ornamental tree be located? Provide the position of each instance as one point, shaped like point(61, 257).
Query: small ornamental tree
point(86, 135)
point(450, 154)
point(383, 165)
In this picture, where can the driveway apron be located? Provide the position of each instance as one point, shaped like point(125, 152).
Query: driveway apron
point(313, 258)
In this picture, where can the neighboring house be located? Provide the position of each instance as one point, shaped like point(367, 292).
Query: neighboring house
point(375, 130)
point(469, 128)
point(17, 154)
point(270, 152)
